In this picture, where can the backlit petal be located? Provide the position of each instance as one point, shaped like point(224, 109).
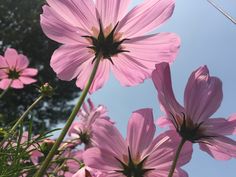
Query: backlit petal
point(220, 148)
point(203, 95)
point(162, 80)
point(111, 11)
point(67, 60)
point(140, 132)
point(101, 76)
point(146, 17)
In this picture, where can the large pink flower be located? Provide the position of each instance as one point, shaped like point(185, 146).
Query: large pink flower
point(202, 97)
point(14, 71)
point(140, 155)
point(86, 29)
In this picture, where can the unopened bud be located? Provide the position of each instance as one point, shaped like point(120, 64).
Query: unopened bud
point(47, 146)
point(46, 89)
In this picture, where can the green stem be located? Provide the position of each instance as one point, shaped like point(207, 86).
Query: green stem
point(5, 91)
point(25, 113)
point(172, 169)
point(73, 114)
point(22, 118)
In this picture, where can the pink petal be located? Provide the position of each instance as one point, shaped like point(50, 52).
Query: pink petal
point(3, 63)
point(11, 57)
point(111, 11)
point(146, 17)
point(220, 148)
point(203, 95)
point(107, 137)
point(74, 128)
point(73, 12)
point(101, 76)
point(67, 60)
point(35, 155)
point(22, 62)
point(153, 49)
point(58, 29)
point(160, 173)
point(27, 80)
point(29, 72)
point(164, 121)
point(80, 173)
point(3, 74)
point(101, 160)
point(91, 105)
point(17, 84)
point(164, 173)
point(180, 173)
point(220, 126)
point(140, 132)
point(129, 71)
point(4, 84)
point(113, 175)
point(162, 150)
point(232, 119)
point(72, 164)
point(162, 81)
point(135, 66)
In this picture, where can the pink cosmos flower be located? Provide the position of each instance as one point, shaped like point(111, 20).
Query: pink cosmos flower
point(14, 71)
point(87, 29)
point(140, 155)
point(82, 131)
point(202, 97)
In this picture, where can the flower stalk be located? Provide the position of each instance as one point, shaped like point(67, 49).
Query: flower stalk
point(172, 169)
point(19, 121)
point(5, 91)
point(70, 120)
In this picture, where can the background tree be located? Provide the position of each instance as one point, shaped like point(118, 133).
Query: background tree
point(20, 29)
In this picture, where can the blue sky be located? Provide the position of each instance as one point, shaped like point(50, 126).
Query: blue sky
point(208, 38)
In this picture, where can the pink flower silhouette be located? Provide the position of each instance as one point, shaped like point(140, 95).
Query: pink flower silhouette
point(140, 155)
point(202, 97)
point(87, 29)
point(82, 131)
point(14, 71)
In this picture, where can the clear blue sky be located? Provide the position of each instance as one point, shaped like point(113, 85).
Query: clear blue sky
point(207, 38)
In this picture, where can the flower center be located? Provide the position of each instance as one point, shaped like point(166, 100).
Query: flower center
point(106, 45)
point(13, 74)
point(84, 138)
point(132, 169)
point(191, 131)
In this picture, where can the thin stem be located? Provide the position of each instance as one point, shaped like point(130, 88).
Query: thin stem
point(5, 91)
point(222, 11)
point(172, 169)
point(77, 107)
point(22, 118)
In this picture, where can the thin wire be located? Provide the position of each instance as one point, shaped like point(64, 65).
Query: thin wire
point(227, 15)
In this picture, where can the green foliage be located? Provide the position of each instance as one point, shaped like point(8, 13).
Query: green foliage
point(20, 29)
point(16, 153)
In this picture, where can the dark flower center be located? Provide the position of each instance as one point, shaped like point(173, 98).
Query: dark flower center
point(190, 131)
point(84, 138)
point(106, 45)
point(13, 74)
point(132, 169)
